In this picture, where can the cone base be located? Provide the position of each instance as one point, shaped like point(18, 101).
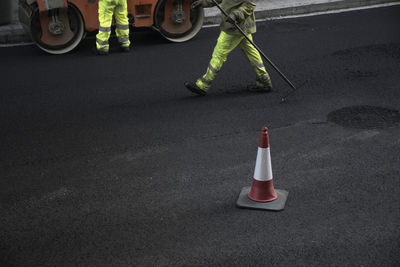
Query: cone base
point(278, 204)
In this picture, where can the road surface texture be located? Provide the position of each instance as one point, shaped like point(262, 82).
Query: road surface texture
point(110, 161)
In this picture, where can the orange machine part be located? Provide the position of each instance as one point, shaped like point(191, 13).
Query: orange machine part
point(42, 7)
point(142, 12)
point(171, 27)
point(50, 39)
point(89, 11)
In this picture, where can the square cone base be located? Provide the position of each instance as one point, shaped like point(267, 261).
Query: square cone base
point(276, 205)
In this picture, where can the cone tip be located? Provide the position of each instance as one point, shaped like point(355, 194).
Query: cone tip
point(264, 139)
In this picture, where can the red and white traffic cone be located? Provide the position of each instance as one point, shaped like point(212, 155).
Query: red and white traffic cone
point(261, 194)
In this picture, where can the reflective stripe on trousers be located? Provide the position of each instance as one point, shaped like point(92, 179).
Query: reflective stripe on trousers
point(225, 44)
point(108, 8)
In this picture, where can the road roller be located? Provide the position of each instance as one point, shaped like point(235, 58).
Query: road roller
point(58, 26)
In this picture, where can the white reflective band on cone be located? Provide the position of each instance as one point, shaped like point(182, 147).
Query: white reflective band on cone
point(263, 169)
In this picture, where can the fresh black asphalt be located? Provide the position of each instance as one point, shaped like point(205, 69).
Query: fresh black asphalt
point(110, 161)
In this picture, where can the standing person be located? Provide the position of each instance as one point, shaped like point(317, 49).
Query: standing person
point(241, 12)
point(108, 8)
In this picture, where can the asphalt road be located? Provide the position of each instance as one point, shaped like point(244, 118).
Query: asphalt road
point(110, 161)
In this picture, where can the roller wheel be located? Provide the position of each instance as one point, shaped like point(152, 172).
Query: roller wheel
point(176, 21)
point(57, 31)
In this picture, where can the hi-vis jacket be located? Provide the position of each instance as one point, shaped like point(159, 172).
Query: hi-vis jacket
point(243, 10)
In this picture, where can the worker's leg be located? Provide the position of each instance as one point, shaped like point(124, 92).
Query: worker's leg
point(225, 44)
point(122, 23)
point(262, 77)
point(106, 9)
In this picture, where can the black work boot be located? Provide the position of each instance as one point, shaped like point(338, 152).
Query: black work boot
point(99, 52)
point(195, 89)
point(263, 84)
point(124, 49)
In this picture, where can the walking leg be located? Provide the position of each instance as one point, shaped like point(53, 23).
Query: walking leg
point(225, 44)
point(263, 81)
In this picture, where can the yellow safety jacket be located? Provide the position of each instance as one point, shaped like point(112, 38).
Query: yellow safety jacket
point(243, 10)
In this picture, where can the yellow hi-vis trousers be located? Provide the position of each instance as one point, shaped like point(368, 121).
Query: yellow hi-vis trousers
point(225, 44)
point(108, 8)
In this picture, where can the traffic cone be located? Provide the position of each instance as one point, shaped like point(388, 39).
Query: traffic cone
point(262, 194)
